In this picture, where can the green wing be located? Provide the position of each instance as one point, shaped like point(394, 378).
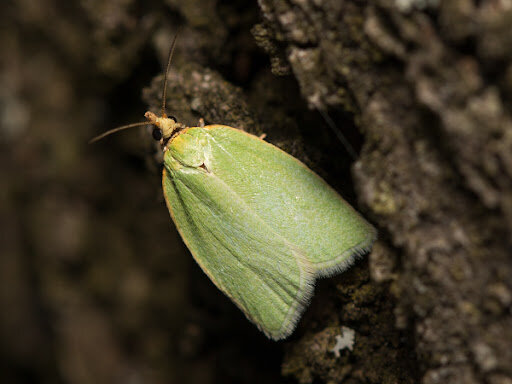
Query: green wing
point(266, 276)
point(259, 223)
point(289, 197)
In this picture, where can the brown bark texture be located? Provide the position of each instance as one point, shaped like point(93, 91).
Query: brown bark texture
point(97, 287)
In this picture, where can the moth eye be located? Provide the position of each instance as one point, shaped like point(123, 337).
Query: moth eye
point(157, 133)
point(173, 118)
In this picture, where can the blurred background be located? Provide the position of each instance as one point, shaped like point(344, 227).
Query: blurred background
point(97, 287)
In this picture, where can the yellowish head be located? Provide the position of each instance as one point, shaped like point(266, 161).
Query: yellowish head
point(166, 125)
point(164, 128)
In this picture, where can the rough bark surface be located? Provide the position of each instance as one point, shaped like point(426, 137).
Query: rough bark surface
point(430, 87)
point(97, 287)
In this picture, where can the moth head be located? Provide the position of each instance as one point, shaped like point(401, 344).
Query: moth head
point(163, 127)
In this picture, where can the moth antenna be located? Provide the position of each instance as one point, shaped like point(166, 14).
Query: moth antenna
point(114, 130)
point(341, 137)
point(169, 60)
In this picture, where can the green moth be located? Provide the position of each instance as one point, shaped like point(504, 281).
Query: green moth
point(259, 223)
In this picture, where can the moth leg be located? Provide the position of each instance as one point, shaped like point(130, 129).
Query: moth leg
point(262, 136)
point(201, 123)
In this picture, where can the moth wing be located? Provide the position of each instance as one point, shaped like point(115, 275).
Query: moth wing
point(290, 198)
point(268, 278)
